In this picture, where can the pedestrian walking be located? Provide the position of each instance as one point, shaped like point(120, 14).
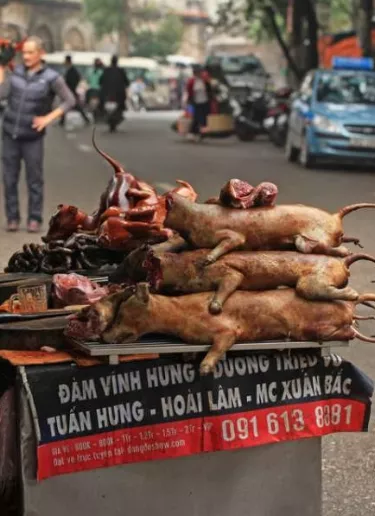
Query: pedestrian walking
point(72, 79)
point(199, 97)
point(30, 91)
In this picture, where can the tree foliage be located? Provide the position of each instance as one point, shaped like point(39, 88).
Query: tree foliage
point(107, 18)
point(164, 40)
point(104, 15)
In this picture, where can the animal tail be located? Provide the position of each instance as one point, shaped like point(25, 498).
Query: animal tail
point(114, 163)
point(364, 317)
point(349, 260)
point(360, 336)
point(353, 207)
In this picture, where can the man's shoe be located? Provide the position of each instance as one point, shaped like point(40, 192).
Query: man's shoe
point(13, 226)
point(33, 226)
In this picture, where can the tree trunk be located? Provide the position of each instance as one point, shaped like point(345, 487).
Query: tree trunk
point(312, 34)
point(364, 29)
point(296, 40)
point(124, 30)
point(291, 63)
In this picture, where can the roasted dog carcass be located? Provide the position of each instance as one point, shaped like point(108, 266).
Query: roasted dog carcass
point(307, 229)
point(247, 316)
point(315, 277)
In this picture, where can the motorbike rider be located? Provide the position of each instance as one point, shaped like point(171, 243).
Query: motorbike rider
point(113, 85)
point(136, 91)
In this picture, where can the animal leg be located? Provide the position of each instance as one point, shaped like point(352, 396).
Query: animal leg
point(222, 342)
point(317, 289)
point(227, 286)
point(229, 240)
point(173, 245)
point(353, 240)
point(307, 245)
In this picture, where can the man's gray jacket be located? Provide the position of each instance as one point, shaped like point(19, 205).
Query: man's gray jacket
point(30, 96)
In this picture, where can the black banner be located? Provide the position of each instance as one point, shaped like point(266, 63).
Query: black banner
point(140, 407)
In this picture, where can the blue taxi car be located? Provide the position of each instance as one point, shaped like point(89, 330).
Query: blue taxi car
point(332, 115)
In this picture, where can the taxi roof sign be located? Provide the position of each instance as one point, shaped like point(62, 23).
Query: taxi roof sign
point(352, 63)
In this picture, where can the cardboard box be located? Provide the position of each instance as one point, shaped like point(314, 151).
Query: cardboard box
point(217, 123)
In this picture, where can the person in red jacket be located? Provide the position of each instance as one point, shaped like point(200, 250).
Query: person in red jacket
point(199, 95)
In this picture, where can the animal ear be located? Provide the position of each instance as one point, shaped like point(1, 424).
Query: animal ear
point(73, 210)
point(59, 206)
point(142, 293)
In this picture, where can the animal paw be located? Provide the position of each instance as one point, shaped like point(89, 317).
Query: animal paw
point(205, 369)
point(201, 263)
point(351, 294)
point(215, 307)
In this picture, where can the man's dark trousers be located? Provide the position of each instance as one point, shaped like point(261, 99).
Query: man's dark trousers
point(32, 153)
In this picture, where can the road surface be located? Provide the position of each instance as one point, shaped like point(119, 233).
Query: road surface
point(75, 174)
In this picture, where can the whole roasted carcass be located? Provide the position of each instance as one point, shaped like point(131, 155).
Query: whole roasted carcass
point(315, 277)
point(247, 316)
point(307, 229)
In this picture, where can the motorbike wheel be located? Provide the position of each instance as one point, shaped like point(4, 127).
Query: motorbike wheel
point(277, 137)
point(244, 134)
point(112, 127)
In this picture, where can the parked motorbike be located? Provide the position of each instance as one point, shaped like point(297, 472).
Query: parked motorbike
point(276, 122)
point(114, 114)
point(250, 114)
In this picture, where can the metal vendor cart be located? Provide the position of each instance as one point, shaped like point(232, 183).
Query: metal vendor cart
point(273, 480)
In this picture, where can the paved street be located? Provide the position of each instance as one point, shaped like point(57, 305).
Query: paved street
point(75, 174)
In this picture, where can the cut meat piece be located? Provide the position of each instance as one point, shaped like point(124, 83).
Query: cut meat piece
point(74, 289)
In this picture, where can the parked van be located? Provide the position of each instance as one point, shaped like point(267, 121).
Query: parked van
point(157, 94)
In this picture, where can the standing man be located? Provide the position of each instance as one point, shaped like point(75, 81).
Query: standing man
point(72, 79)
point(114, 83)
point(29, 91)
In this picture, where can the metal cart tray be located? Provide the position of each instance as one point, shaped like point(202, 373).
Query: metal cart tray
point(164, 345)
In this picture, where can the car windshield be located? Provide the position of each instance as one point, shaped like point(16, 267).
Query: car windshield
point(349, 88)
point(239, 64)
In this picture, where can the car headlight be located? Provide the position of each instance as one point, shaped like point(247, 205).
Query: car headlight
point(325, 124)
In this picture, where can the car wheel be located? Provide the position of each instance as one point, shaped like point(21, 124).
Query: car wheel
point(291, 152)
point(305, 157)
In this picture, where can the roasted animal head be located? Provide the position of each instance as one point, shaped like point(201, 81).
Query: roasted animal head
point(131, 270)
point(90, 323)
point(178, 209)
point(132, 315)
point(64, 222)
point(185, 190)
